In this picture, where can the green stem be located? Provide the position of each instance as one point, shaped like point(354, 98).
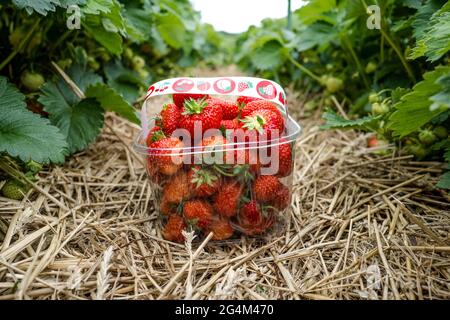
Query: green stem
point(355, 58)
point(20, 46)
point(61, 39)
point(304, 69)
point(399, 54)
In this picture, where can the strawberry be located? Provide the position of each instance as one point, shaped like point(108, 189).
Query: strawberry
point(258, 104)
point(166, 207)
point(153, 172)
point(213, 149)
point(170, 115)
point(242, 100)
point(284, 157)
point(264, 121)
point(14, 190)
point(230, 124)
point(180, 98)
point(165, 154)
point(372, 142)
point(265, 188)
point(203, 182)
point(198, 213)
point(251, 213)
point(221, 229)
point(227, 199)
point(229, 109)
point(199, 111)
point(173, 229)
point(282, 199)
point(177, 189)
point(254, 219)
point(154, 135)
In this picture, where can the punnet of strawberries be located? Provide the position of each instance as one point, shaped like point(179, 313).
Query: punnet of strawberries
point(219, 166)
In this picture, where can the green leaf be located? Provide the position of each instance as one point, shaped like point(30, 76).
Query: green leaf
point(112, 41)
point(126, 82)
point(171, 28)
point(413, 110)
point(79, 120)
point(80, 123)
point(315, 10)
point(335, 121)
point(433, 41)
point(110, 100)
point(40, 6)
point(269, 55)
point(138, 23)
point(24, 134)
point(444, 182)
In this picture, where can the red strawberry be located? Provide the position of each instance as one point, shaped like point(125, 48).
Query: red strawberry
point(265, 188)
point(198, 212)
point(264, 121)
point(154, 135)
point(242, 101)
point(153, 171)
point(229, 109)
point(177, 189)
point(166, 207)
point(170, 115)
point(165, 154)
point(253, 219)
point(173, 229)
point(227, 199)
point(282, 199)
point(214, 149)
point(284, 153)
point(258, 104)
point(221, 229)
point(203, 182)
point(199, 111)
point(230, 124)
point(180, 98)
point(372, 142)
point(251, 213)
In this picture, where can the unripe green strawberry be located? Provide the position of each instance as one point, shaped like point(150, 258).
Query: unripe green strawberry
point(137, 62)
point(427, 137)
point(417, 150)
point(13, 190)
point(371, 67)
point(373, 97)
point(32, 80)
point(332, 84)
point(128, 53)
point(92, 63)
point(64, 63)
point(379, 108)
point(440, 132)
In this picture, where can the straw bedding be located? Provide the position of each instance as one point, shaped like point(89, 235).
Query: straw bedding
point(361, 226)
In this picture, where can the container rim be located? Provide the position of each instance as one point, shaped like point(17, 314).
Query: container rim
point(294, 129)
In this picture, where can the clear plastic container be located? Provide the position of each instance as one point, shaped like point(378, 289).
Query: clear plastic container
point(231, 178)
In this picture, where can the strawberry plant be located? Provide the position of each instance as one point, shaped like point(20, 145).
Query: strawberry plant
point(395, 77)
point(56, 82)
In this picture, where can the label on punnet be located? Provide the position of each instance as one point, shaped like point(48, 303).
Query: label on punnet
point(238, 86)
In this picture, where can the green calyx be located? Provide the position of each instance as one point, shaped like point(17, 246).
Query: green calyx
point(254, 123)
point(193, 106)
point(203, 176)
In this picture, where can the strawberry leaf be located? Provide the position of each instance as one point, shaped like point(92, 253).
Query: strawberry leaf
point(24, 134)
point(444, 182)
point(110, 100)
point(79, 120)
point(171, 29)
point(413, 110)
point(335, 121)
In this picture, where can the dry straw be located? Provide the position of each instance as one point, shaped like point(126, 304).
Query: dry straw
point(361, 226)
